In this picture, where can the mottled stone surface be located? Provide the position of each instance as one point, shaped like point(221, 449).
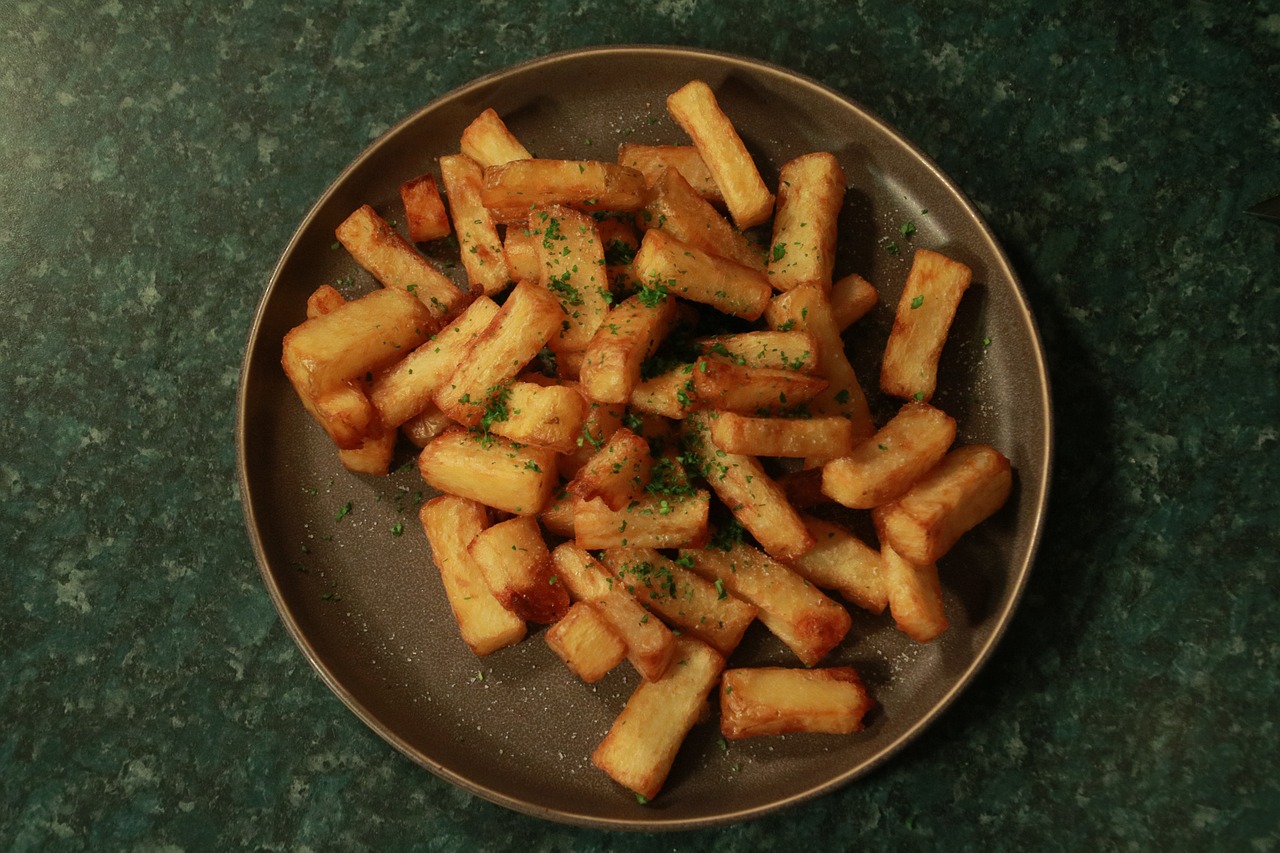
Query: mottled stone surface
point(158, 156)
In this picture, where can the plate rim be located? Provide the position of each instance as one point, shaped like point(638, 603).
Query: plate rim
point(653, 820)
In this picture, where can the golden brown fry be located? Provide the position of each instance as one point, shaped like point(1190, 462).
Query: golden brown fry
point(808, 622)
point(810, 193)
point(776, 700)
point(488, 141)
point(642, 744)
point(424, 212)
point(517, 567)
point(425, 425)
point(652, 521)
point(617, 474)
point(915, 596)
point(784, 437)
point(520, 248)
point(324, 300)
point(571, 266)
point(479, 245)
point(586, 642)
point(965, 488)
point(491, 470)
point(851, 298)
point(599, 425)
point(511, 191)
point(841, 561)
point(681, 269)
point(543, 415)
point(695, 109)
point(450, 524)
point(721, 384)
point(653, 160)
point(925, 311)
point(396, 264)
point(670, 394)
point(676, 208)
point(629, 334)
point(884, 466)
point(372, 457)
point(794, 350)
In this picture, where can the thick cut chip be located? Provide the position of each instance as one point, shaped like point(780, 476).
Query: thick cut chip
point(586, 642)
point(488, 141)
point(653, 160)
point(810, 192)
point(450, 524)
point(925, 311)
point(777, 700)
point(372, 457)
point(806, 620)
point(676, 208)
point(652, 521)
point(670, 394)
point(722, 384)
point(601, 422)
point(758, 503)
point(966, 487)
point(794, 350)
point(479, 245)
point(681, 596)
point(666, 265)
point(496, 472)
point(843, 562)
point(915, 596)
point(424, 211)
point(395, 263)
point(642, 744)
point(783, 437)
point(851, 298)
point(517, 567)
point(512, 190)
point(528, 319)
point(617, 474)
point(695, 109)
point(520, 248)
point(629, 334)
point(650, 644)
point(571, 266)
point(884, 466)
point(327, 357)
point(405, 389)
point(324, 300)
point(533, 413)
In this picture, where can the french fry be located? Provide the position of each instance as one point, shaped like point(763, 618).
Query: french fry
point(681, 596)
point(650, 644)
point(653, 160)
point(557, 518)
point(684, 270)
point(629, 334)
point(915, 596)
point(324, 355)
point(512, 190)
point(721, 384)
point(479, 245)
point(520, 248)
point(586, 642)
point(810, 193)
point(527, 320)
point(670, 394)
point(372, 457)
point(517, 567)
point(324, 300)
point(925, 311)
point(395, 263)
point(796, 612)
point(843, 562)
point(777, 700)
point(784, 437)
point(695, 109)
point(641, 746)
point(751, 495)
point(571, 266)
point(676, 208)
point(601, 422)
point(884, 466)
point(425, 425)
point(491, 470)
point(807, 308)
point(543, 415)
point(617, 474)
point(965, 488)
point(450, 524)
point(651, 521)
point(794, 350)
point(488, 141)
point(405, 389)
point(424, 212)
point(851, 298)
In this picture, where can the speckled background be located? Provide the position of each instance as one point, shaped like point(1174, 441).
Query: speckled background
point(158, 156)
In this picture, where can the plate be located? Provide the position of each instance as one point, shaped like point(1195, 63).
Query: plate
point(347, 566)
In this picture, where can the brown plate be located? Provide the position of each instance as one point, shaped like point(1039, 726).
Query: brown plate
point(366, 605)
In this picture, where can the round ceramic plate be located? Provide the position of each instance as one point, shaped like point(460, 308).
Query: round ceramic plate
point(348, 567)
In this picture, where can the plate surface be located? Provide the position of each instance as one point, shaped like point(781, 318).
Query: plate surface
point(346, 563)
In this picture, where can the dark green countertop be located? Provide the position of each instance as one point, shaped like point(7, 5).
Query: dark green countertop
point(157, 159)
